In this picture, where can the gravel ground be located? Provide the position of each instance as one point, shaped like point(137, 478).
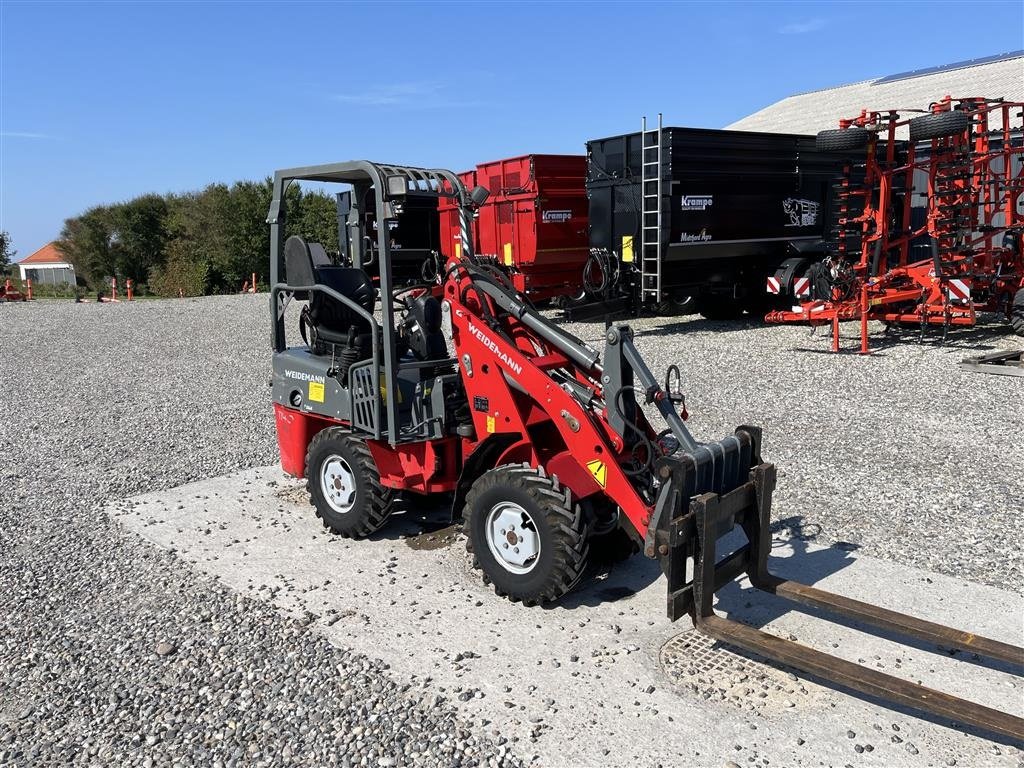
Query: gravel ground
point(113, 652)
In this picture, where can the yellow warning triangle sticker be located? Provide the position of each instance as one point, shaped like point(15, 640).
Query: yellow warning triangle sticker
point(599, 471)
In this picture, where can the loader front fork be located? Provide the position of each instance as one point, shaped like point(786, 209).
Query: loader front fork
point(693, 537)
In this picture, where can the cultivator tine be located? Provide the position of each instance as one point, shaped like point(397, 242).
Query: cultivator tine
point(695, 533)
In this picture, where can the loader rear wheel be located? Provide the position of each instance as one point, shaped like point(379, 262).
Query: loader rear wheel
point(938, 125)
point(525, 534)
point(1017, 313)
point(344, 484)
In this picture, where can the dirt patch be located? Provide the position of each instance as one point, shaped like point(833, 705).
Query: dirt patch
point(442, 537)
point(294, 493)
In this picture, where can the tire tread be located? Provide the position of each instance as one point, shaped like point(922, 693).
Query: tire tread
point(572, 546)
point(381, 499)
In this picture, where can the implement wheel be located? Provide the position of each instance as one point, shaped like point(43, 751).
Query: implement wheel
point(938, 125)
point(1017, 313)
point(525, 534)
point(842, 139)
point(344, 484)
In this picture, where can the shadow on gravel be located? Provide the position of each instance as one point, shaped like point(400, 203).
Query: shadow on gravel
point(702, 324)
point(608, 584)
point(985, 337)
point(417, 518)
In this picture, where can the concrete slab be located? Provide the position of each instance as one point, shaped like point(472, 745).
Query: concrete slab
point(604, 678)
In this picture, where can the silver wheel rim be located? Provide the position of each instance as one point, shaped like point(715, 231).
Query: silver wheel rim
point(338, 483)
point(512, 537)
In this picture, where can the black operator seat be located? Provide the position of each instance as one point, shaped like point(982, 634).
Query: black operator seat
point(331, 321)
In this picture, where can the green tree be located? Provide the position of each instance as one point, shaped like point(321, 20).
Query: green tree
point(206, 241)
point(7, 253)
point(87, 242)
point(317, 219)
point(250, 242)
point(139, 236)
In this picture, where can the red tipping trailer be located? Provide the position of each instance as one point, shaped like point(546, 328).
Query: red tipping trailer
point(534, 223)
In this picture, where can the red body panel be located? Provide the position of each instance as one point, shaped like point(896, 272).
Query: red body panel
point(429, 467)
point(534, 222)
point(294, 431)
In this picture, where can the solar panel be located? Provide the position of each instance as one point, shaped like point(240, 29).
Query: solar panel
point(948, 67)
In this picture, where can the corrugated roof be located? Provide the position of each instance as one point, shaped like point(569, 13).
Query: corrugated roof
point(48, 254)
point(990, 77)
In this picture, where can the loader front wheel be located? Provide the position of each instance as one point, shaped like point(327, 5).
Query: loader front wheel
point(525, 534)
point(344, 484)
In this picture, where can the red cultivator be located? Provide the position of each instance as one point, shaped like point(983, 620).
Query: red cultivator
point(928, 232)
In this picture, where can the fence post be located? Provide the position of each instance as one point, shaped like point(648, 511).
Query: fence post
point(128, 288)
point(28, 288)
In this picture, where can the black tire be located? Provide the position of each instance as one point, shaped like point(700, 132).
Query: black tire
point(558, 524)
point(938, 125)
point(674, 306)
point(370, 506)
point(842, 139)
point(1017, 313)
point(613, 547)
point(717, 307)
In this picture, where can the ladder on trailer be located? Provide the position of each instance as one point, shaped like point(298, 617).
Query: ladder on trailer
point(651, 177)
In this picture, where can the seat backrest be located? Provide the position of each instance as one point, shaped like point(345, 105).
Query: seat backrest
point(308, 264)
point(351, 282)
point(298, 262)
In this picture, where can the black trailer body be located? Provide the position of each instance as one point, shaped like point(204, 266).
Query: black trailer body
point(415, 237)
point(733, 206)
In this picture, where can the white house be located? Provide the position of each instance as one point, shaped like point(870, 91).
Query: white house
point(47, 266)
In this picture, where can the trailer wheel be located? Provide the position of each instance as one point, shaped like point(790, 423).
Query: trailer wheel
point(525, 534)
point(677, 304)
point(718, 307)
point(938, 125)
point(344, 484)
point(841, 139)
point(1017, 313)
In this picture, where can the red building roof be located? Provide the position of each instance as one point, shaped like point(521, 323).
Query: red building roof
point(48, 254)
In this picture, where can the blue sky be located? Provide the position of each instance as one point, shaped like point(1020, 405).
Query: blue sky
point(101, 102)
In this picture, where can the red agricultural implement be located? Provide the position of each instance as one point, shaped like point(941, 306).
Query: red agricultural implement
point(9, 293)
point(927, 231)
point(534, 224)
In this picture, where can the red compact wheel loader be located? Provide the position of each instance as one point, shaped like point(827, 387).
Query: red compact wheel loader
point(548, 447)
